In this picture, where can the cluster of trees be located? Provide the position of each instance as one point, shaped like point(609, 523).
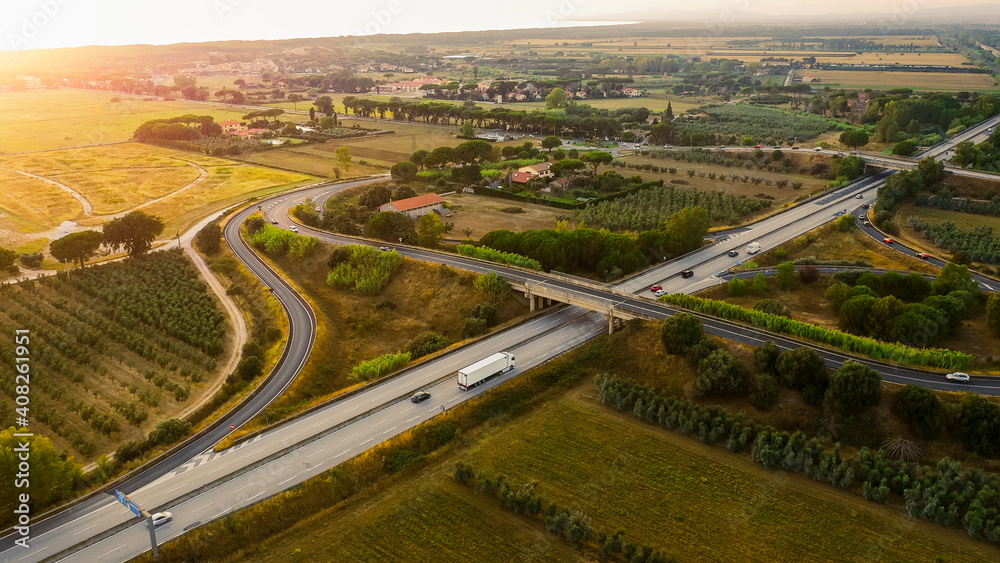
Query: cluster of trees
point(898, 353)
point(610, 254)
point(851, 389)
point(979, 243)
point(573, 525)
point(134, 233)
point(984, 156)
point(648, 208)
point(873, 305)
point(53, 475)
point(898, 117)
point(425, 343)
point(161, 290)
point(165, 433)
point(278, 242)
point(182, 128)
point(363, 268)
point(944, 200)
point(904, 186)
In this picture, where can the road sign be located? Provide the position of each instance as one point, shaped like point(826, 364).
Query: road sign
point(134, 508)
point(121, 497)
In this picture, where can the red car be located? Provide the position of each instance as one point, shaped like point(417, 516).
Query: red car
point(888, 240)
point(923, 256)
point(655, 288)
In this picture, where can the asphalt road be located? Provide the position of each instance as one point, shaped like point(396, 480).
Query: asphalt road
point(70, 527)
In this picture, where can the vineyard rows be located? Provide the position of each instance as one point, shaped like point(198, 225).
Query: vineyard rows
point(649, 208)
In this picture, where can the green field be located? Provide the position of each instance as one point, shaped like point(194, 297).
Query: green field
point(697, 502)
point(51, 119)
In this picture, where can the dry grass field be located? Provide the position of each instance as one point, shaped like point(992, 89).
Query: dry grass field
point(915, 80)
point(51, 119)
point(482, 214)
point(117, 178)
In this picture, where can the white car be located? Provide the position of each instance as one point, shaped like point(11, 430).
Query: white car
point(660, 292)
point(293, 228)
point(162, 518)
point(958, 376)
point(818, 149)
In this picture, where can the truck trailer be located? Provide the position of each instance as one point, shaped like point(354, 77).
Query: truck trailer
point(753, 248)
point(484, 369)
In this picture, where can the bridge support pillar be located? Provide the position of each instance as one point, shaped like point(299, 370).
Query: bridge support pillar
point(531, 302)
point(612, 323)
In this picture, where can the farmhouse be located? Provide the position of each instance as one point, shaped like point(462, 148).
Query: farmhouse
point(537, 170)
point(416, 206)
point(521, 177)
point(232, 126)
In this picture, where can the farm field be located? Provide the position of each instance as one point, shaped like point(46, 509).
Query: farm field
point(697, 502)
point(52, 119)
point(678, 105)
point(915, 80)
point(482, 214)
point(810, 184)
point(111, 378)
point(117, 178)
point(966, 221)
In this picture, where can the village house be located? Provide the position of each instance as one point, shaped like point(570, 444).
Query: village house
point(232, 126)
point(416, 206)
point(541, 170)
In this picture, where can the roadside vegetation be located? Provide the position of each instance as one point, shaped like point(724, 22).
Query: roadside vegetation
point(540, 431)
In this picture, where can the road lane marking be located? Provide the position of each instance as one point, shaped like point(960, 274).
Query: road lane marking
point(412, 419)
point(316, 453)
point(366, 441)
point(342, 453)
point(203, 506)
point(84, 530)
point(112, 551)
point(389, 430)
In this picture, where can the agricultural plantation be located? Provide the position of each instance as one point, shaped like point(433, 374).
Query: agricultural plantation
point(123, 346)
point(648, 208)
point(731, 123)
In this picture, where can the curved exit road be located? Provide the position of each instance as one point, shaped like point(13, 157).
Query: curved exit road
point(74, 522)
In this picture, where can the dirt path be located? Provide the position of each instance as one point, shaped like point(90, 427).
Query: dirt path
point(240, 334)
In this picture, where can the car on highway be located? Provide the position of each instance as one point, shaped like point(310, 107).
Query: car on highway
point(777, 148)
point(656, 288)
point(867, 223)
point(958, 376)
point(274, 221)
point(866, 206)
point(293, 228)
point(420, 396)
point(859, 196)
point(661, 293)
point(756, 146)
point(668, 146)
point(722, 146)
point(733, 253)
point(817, 149)
point(384, 248)
point(162, 518)
point(687, 273)
point(923, 255)
point(888, 240)
point(795, 148)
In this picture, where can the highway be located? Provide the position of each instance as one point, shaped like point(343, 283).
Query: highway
point(97, 516)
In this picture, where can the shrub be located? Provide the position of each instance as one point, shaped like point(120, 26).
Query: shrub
point(680, 332)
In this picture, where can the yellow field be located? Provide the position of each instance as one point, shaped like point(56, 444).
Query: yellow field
point(915, 80)
point(118, 178)
point(51, 119)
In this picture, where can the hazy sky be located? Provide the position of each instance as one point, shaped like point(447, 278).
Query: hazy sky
point(43, 24)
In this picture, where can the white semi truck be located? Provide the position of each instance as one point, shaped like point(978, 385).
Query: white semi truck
point(753, 248)
point(484, 369)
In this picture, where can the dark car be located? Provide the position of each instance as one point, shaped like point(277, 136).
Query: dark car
point(420, 396)
point(733, 253)
point(687, 273)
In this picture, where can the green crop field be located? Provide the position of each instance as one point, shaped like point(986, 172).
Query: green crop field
point(51, 119)
point(697, 502)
